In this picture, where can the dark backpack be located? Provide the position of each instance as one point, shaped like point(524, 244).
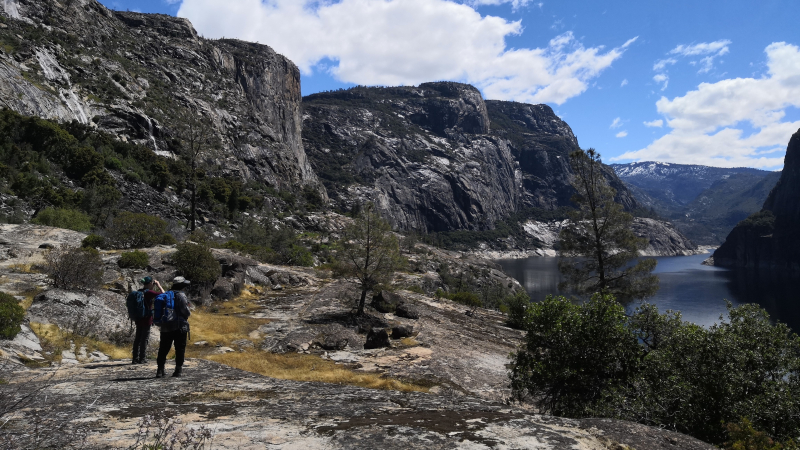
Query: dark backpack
point(136, 306)
point(164, 308)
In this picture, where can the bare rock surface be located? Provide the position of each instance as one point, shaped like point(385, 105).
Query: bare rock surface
point(104, 402)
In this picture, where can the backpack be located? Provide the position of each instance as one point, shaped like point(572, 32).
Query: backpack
point(135, 305)
point(164, 308)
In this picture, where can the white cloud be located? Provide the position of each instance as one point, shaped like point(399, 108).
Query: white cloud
point(514, 3)
point(406, 42)
point(624, 83)
point(662, 64)
point(661, 78)
point(616, 123)
point(708, 124)
point(705, 48)
point(622, 134)
point(654, 124)
point(708, 50)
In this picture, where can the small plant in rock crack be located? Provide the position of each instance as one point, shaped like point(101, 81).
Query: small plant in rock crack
point(166, 433)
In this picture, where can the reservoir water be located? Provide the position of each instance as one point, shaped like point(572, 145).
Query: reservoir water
point(697, 291)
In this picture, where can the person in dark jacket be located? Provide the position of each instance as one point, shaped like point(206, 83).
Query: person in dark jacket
point(143, 325)
point(175, 332)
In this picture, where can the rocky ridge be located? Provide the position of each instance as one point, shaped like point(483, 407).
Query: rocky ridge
point(437, 157)
point(768, 239)
point(135, 75)
point(703, 202)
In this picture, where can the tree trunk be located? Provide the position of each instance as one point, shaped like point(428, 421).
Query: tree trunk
point(361, 302)
point(193, 207)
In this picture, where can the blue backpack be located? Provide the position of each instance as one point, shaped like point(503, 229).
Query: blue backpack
point(135, 305)
point(164, 308)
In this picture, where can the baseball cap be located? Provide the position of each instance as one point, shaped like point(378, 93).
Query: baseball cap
point(146, 280)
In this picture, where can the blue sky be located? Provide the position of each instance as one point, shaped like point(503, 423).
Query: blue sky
point(704, 82)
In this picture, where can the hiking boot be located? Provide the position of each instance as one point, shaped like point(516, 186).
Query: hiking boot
point(160, 372)
point(177, 372)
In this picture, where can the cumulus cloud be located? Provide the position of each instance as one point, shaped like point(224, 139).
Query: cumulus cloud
point(654, 123)
point(622, 134)
point(616, 123)
point(405, 42)
point(708, 124)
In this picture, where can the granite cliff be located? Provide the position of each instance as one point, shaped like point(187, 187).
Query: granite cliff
point(437, 157)
point(135, 75)
point(768, 239)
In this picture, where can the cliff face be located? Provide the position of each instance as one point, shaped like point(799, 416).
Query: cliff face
point(135, 75)
point(437, 157)
point(769, 239)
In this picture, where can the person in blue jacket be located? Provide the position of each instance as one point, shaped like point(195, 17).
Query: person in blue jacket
point(175, 331)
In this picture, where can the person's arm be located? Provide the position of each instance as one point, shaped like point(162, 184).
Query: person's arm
point(159, 286)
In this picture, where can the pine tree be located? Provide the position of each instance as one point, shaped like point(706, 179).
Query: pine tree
point(599, 241)
point(369, 253)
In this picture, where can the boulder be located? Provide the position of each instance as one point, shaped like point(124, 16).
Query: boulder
point(386, 302)
point(334, 337)
point(94, 313)
point(407, 311)
point(377, 338)
point(402, 331)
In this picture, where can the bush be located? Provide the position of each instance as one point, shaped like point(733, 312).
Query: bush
point(74, 267)
point(11, 316)
point(93, 241)
point(168, 239)
point(592, 360)
point(134, 260)
point(196, 263)
point(135, 230)
point(63, 218)
point(517, 305)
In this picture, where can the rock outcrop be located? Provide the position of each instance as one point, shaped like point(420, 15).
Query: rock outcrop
point(135, 75)
point(437, 157)
point(102, 405)
point(769, 238)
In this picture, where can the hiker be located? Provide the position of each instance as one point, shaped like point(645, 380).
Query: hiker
point(174, 323)
point(143, 319)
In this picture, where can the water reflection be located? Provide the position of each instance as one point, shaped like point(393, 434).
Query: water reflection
point(698, 291)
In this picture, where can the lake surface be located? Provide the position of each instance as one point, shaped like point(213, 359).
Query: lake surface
point(697, 291)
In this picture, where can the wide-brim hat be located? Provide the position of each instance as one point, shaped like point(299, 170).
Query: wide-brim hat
point(180, 281)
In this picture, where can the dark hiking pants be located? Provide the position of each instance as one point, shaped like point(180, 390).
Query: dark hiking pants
point(167, 339)
point(140, 342)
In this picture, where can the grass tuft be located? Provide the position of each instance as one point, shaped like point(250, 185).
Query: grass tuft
point(292, 366)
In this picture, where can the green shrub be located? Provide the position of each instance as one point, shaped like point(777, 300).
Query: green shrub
point(63, 218)
point(467, 298)
point(516, 306)
point(135, 230)
point(196, 263)
point(168, 239)
point(134, 260)
point(11, 316)
point(93, 241)
point(593, 360)
point(74, 267)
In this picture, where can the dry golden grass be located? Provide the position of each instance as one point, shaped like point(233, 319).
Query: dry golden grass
point(409, 342)
point(298, 367)
point(21, 268)
point(55, 340)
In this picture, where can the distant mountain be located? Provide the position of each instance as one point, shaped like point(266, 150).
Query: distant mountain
point(704, 202)
point(769, 238)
